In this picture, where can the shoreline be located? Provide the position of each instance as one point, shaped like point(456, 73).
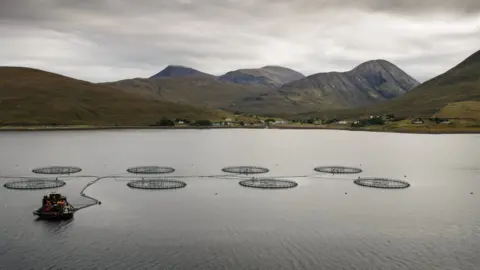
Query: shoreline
point(90, 128)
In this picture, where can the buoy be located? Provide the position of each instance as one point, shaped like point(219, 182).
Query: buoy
point(99, 202)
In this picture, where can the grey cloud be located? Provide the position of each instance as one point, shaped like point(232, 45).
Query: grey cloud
point(62, 9)
point(114, 37)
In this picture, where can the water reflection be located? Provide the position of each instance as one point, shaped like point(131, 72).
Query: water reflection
point(54, 226)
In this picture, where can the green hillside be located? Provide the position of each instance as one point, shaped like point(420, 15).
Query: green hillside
point(35, 97)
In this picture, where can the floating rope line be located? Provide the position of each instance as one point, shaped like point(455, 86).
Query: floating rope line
point(82, 193)
point(163, 182)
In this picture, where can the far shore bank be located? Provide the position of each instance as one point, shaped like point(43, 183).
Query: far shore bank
point(459, 130)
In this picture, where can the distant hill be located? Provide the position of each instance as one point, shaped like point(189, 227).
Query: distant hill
point(198, 91)
point(271, 76)
point(35, 97)
point(442, 93)
point(371, 82)
point(274, 90)
point(173, 71)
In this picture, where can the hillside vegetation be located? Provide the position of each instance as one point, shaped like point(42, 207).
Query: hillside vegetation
point(35, 97)
point(271, 76)
point(196, 91)
point(369, 83)
point(440, 94)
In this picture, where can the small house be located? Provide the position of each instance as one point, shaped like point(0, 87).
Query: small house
point(417, 121)
point(445, 122)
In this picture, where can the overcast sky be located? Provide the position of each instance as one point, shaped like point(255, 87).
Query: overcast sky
point(106, 40)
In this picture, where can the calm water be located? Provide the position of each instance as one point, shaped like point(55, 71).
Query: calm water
point(324, 223)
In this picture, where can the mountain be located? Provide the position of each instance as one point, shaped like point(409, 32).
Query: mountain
point(198, 91)
point(173, 71)
point(274, 90)
point(368, 83)
point(35, 97)
point(442, 94)
point(271, 76)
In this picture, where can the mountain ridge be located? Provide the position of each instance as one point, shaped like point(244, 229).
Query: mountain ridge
point(454, 88)
point(264, 91)
point(178, 71)
point(369, 82)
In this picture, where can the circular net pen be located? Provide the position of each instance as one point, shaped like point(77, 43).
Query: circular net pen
point(57, 170)
point(381, 183)
point(338, 170)
point(150, 170)
point(156, 184)
point(30, 184)
point(268, 183)
point(245, 169)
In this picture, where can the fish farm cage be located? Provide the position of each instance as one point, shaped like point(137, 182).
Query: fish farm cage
point(150, 170)
point(34, 184)
point(268, 183)
point(156, 184)
point(57, 170)
point(245, 170)
point(382, 183)
point(338, 170)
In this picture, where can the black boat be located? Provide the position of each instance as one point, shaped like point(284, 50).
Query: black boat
point(55, 206)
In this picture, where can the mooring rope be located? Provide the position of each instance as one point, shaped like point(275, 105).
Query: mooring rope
point(83, 194)
point(129, 177)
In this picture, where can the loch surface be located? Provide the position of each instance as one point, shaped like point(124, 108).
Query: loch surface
point(326, 222)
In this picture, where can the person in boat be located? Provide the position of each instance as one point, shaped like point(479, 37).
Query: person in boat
point(44, 200)
point(48, 206)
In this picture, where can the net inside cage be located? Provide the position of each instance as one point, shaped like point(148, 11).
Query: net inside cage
point(338, 169)
point(382, 183)
point(156, 184)
point(34, 184)
point(150, 170)
point(268, 183)
point(57, 170)
point(245, 169)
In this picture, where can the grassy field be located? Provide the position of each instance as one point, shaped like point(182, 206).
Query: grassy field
point(33, 97)
point(404, 127)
